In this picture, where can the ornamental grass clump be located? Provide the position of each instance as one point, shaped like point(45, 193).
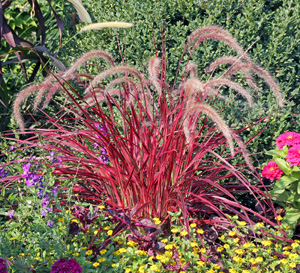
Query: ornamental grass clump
point(143, 147)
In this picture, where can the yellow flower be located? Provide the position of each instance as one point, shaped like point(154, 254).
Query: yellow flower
point(89, 252)
point(220, 249)
point(174, 230)
point(76, 254)
point(164, 241)
point(193, 225)
point(203, 250)
point(260, 224)
point(222, 237)
point(216, 266)
point(113, 265)
point(236, 240)
point(183, 233)
point(231, 233)
point(73, 221)
point(266, 243)
point(60, 219)
point(101, 260)
point(200, 263)
point(231, 270)
point(131, 243)
point(169, 246)
point(252, 261)
point(243, 223)
point(210, 271)
point(283, 261)
point(279, 218)
point(287, 227)
point(103, 251)
point(194, 244)
point(294, 245)
point(254, 250)
point(95, 264)
point(154, 268)
point(239, 251)
point(108, 228)
point(259, 260)
point(292, 265)
point(156, 221)
point(226, 246)
point(127, 270)
point(247, 245)
point(238, 259)
point(122, 250)
point(96, 232)
point(109, 232)
point(101, 207)
point(287, 248)
point(141, 252)
point(200, 231)
point(245, 271)
point(293, 256)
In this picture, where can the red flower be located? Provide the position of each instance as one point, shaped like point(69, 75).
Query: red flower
point(272, 171)
point(288, 138)
point(293, 156)
point(66, 266)
point(3, 266)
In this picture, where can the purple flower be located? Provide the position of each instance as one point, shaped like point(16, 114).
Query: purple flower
point(54, 190)
point(26, 168)
point(3, 173)
point(45, 202)
point(44, 213)
point(31, 179)
point(66, 266)
point(50, 223)
point(3, 266)
point(11, 215)
point(41, 193)
point(12, 148)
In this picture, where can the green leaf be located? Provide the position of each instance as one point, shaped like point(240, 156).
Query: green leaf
point(283, 165)
point(291, 218)
point(282, 183)
point(277, 152)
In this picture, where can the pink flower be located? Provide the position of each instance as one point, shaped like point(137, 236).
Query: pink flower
point(293, 156)
point(288, 138)
point(66, 266)
point(272, 171)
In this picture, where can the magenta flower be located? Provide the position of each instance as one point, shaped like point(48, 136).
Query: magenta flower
point(288, 138)
point(272, 171)
point(293, 156)
point(11, 215)
point(3, 266)
point(66, 266)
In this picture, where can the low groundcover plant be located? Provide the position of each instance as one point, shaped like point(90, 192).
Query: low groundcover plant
point(143, 150)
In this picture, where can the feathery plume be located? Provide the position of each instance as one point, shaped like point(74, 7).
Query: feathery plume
point(59, 86)
point(192, 69)
point(232, 85)
point(234, 62)
point(264, 74)
point(47, 85)
point(111, 71)
point(214, 116)
point(228, 39)
point(97, 26)
point(20, 99)
point(86, 57)
point(153, 69)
